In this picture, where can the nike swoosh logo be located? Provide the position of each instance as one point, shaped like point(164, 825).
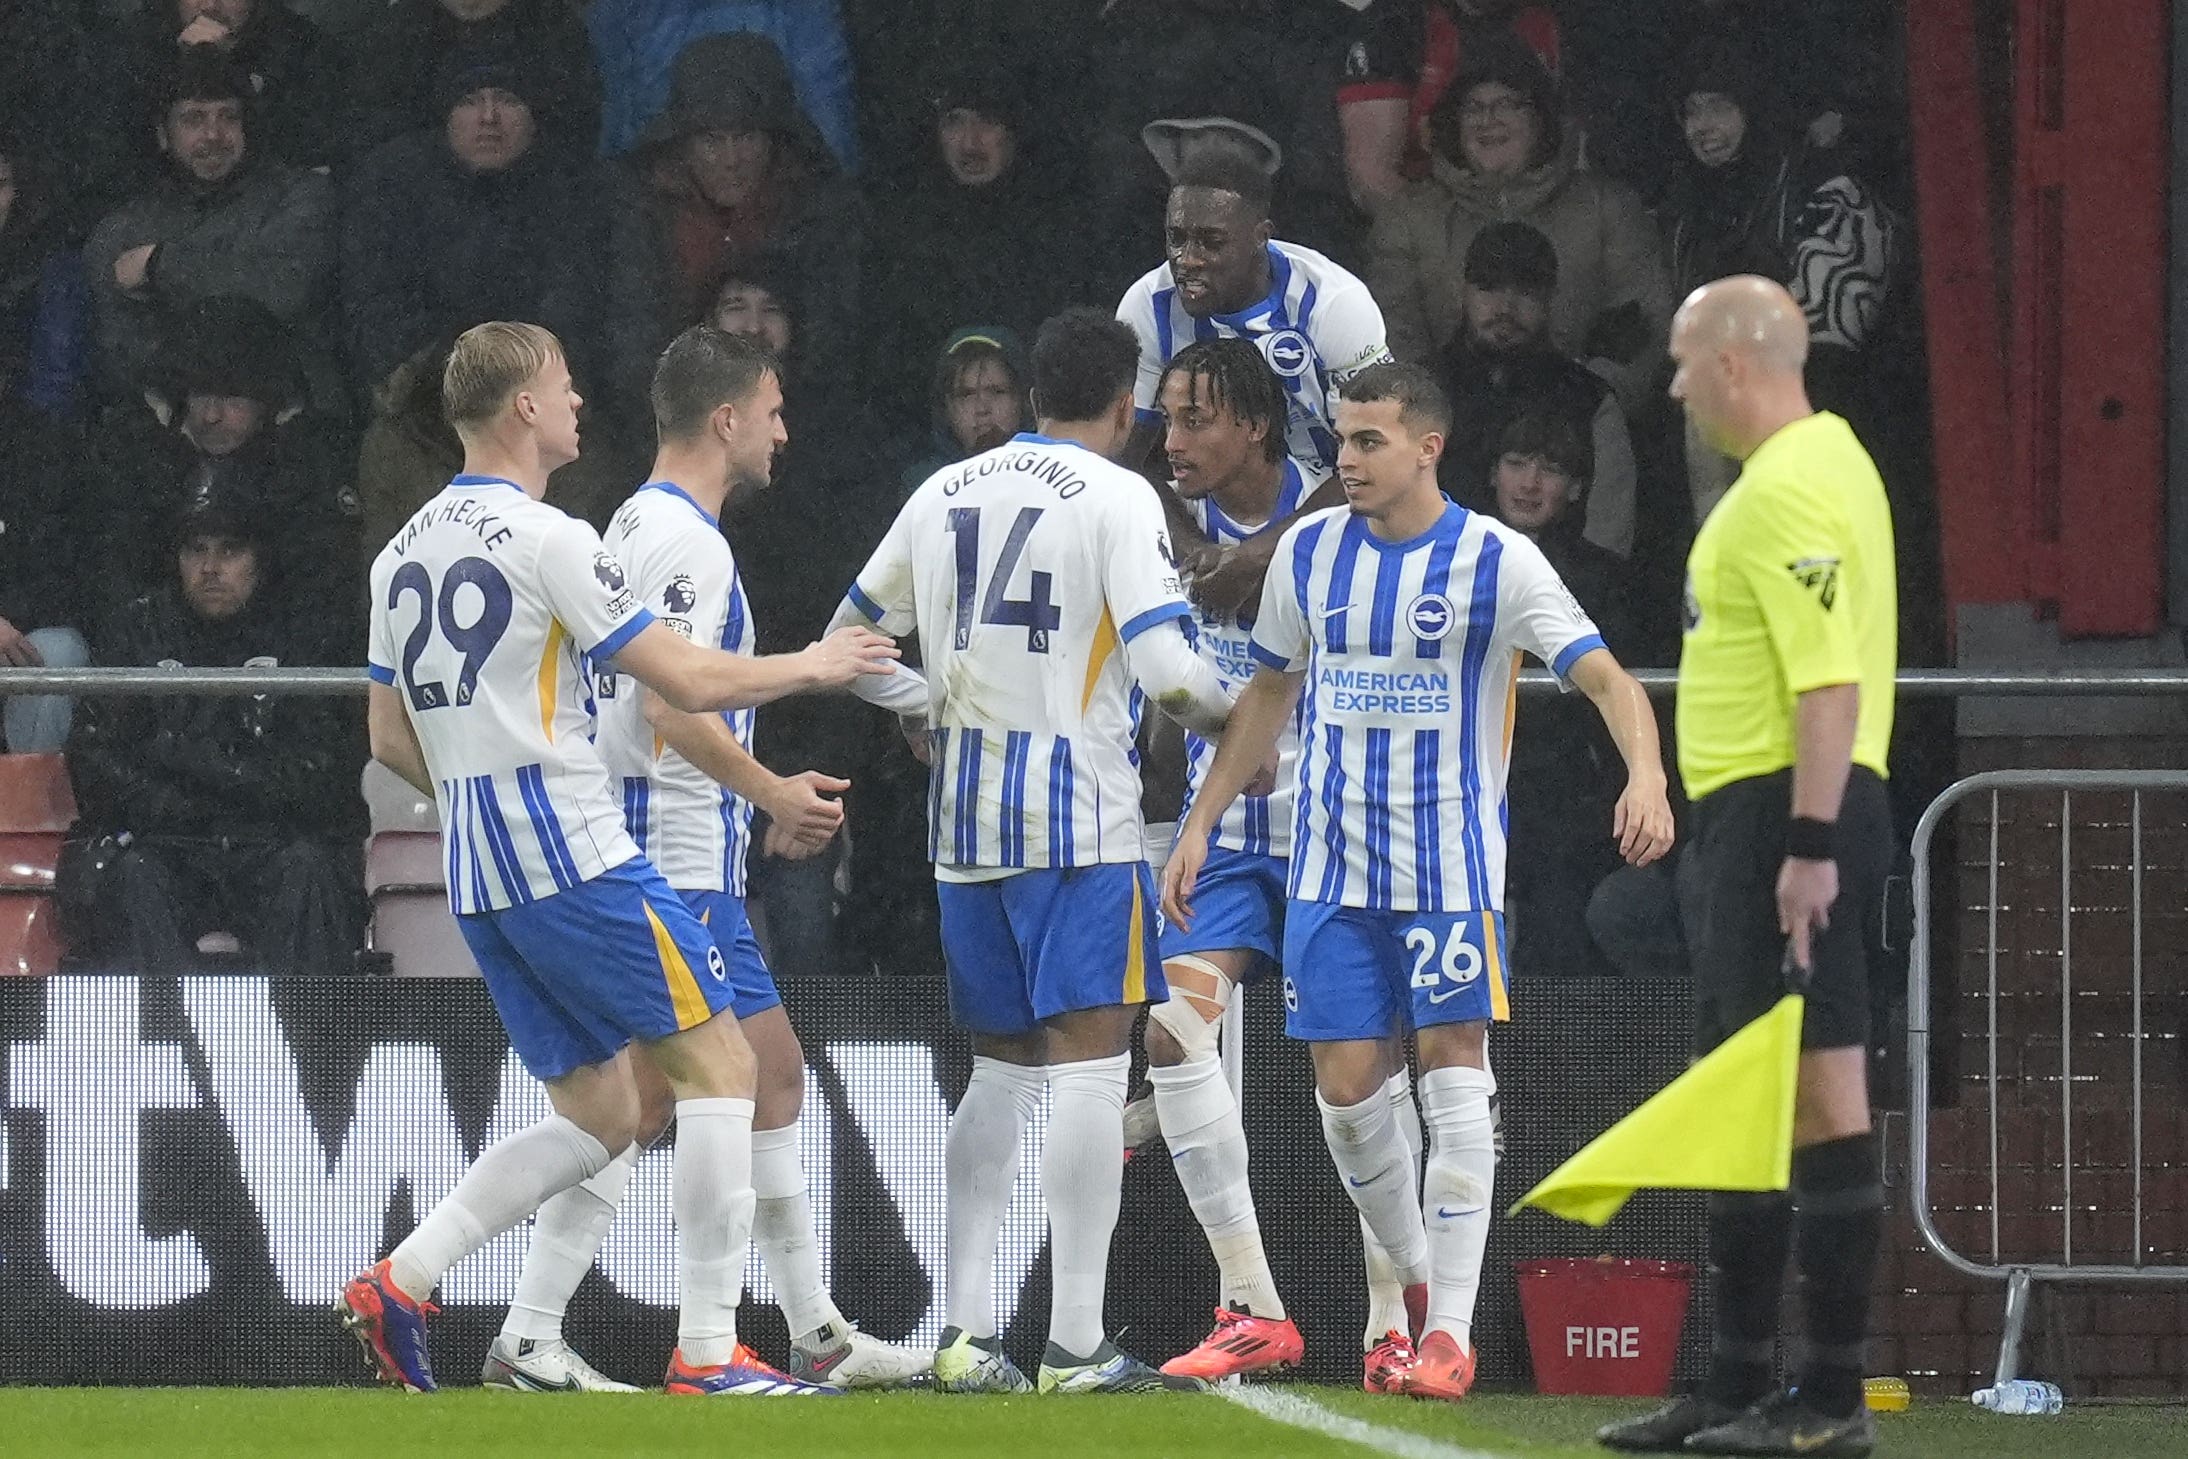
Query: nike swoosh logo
point(1801, 1443)
point(1333, 612)
point(1358, 1184)
point(567, 1385)
point(1447, 1214)
point(821, 1367)
point(1440, 999)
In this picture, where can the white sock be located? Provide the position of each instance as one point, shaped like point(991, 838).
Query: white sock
point(1207, 1140)
point(566, 1235)
point(1462, 1173)
point(1371, 1160)
point(503, 1186)
point(782, 1227)
point(1082, 1177)
point(1386, 1294)
point(981, 1163)
point(713, 1223)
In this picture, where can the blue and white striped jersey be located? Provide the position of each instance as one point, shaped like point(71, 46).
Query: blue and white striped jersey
point(1025, 571)
point(1260, 825)
point(1318, 327)
point(485, 608)
point(694, 831)
point(1410, 651)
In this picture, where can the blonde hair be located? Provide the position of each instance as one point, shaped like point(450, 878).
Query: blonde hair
point(490, 363)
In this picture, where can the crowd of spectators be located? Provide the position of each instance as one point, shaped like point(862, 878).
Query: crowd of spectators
point(238, 236)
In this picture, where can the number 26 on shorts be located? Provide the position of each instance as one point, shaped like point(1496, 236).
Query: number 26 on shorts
point(1457, 967)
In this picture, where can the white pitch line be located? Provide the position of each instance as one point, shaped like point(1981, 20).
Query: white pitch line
point(1283, 1406)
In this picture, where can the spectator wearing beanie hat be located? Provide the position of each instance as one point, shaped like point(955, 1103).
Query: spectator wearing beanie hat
point(481, 216)
point(235, 813)
point(221, 220)
point(1503, 363)
point(392, 82)
point(985, 230)
point(1502, 153)
point(225, 410)
point(293, 72)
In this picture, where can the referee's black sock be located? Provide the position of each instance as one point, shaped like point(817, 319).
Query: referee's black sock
point(1750, 1234)
point(1839, 1189)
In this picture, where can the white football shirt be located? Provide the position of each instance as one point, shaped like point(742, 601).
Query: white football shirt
point(695, 831)
point(1317, 327)
point(1259, 825)
point(1410, 651)
point(485, 608)
point(1025, 571)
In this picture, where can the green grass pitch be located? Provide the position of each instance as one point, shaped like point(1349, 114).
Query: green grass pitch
point(172, 1423)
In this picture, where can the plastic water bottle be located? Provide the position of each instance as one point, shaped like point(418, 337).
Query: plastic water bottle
point(2020, 1396)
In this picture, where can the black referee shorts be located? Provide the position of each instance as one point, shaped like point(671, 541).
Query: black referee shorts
point(1728, 903)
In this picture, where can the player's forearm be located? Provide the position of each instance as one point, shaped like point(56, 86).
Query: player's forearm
point(1179, 680)
point(1824, 722)
point(1624, 705)
point(707, 741)
point(1249, 741)
point(903, 692)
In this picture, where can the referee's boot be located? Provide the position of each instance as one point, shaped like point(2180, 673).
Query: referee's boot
point(1784, 1425)
point(1666, 1430)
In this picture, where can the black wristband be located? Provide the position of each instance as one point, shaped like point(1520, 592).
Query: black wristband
point(1808, 839)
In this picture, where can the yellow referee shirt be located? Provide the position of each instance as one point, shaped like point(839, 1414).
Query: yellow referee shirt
point(1790, 587)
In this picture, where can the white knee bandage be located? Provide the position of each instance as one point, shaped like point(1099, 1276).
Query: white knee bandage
point(1181, 1016)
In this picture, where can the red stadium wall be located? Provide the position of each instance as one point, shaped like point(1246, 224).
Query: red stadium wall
point(2046, 306)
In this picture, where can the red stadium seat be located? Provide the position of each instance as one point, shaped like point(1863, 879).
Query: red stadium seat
point(37, 806)
point(411, 922)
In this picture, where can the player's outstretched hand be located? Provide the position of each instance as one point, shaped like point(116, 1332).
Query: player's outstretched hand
point(1180, 873)
point(802, 812)
point(1642, 823)
point(850, 652)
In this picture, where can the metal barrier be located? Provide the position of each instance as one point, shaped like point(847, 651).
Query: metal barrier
point(2020, 1276)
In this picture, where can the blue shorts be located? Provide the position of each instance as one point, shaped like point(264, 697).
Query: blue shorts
point(751, 985)
point(1356, 973)
point(1238, 906)
point(578, 975)
point(1027, 947)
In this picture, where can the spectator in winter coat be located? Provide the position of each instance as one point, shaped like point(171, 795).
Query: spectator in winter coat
point(732, 170)
point(1565, 771)
point(231, 813)
point(981, 232)
point(481, 217)
point(1399, 61)
point(1502, 154)
point(295, 74)
point(225, 412)
point(637, 44)
point(224, 219)
point(1754, 196)
point(392, 77)
point(1503, 364)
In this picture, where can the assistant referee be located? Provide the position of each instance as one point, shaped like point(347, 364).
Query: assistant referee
point(1784, 718)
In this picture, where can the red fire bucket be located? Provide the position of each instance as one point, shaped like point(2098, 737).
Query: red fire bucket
point(1604, 1326)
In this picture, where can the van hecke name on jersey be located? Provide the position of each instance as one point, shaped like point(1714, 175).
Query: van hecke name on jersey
point(1051, 470)
point(1359, 691)
point(463, 511)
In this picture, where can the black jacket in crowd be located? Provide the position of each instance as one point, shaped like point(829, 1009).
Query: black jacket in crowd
point(392, 75)
point(244, 768)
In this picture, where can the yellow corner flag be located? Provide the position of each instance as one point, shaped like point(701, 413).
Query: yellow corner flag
point(1682, 1139)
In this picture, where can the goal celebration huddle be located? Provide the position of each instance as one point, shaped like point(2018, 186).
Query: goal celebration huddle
point(580, 708)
